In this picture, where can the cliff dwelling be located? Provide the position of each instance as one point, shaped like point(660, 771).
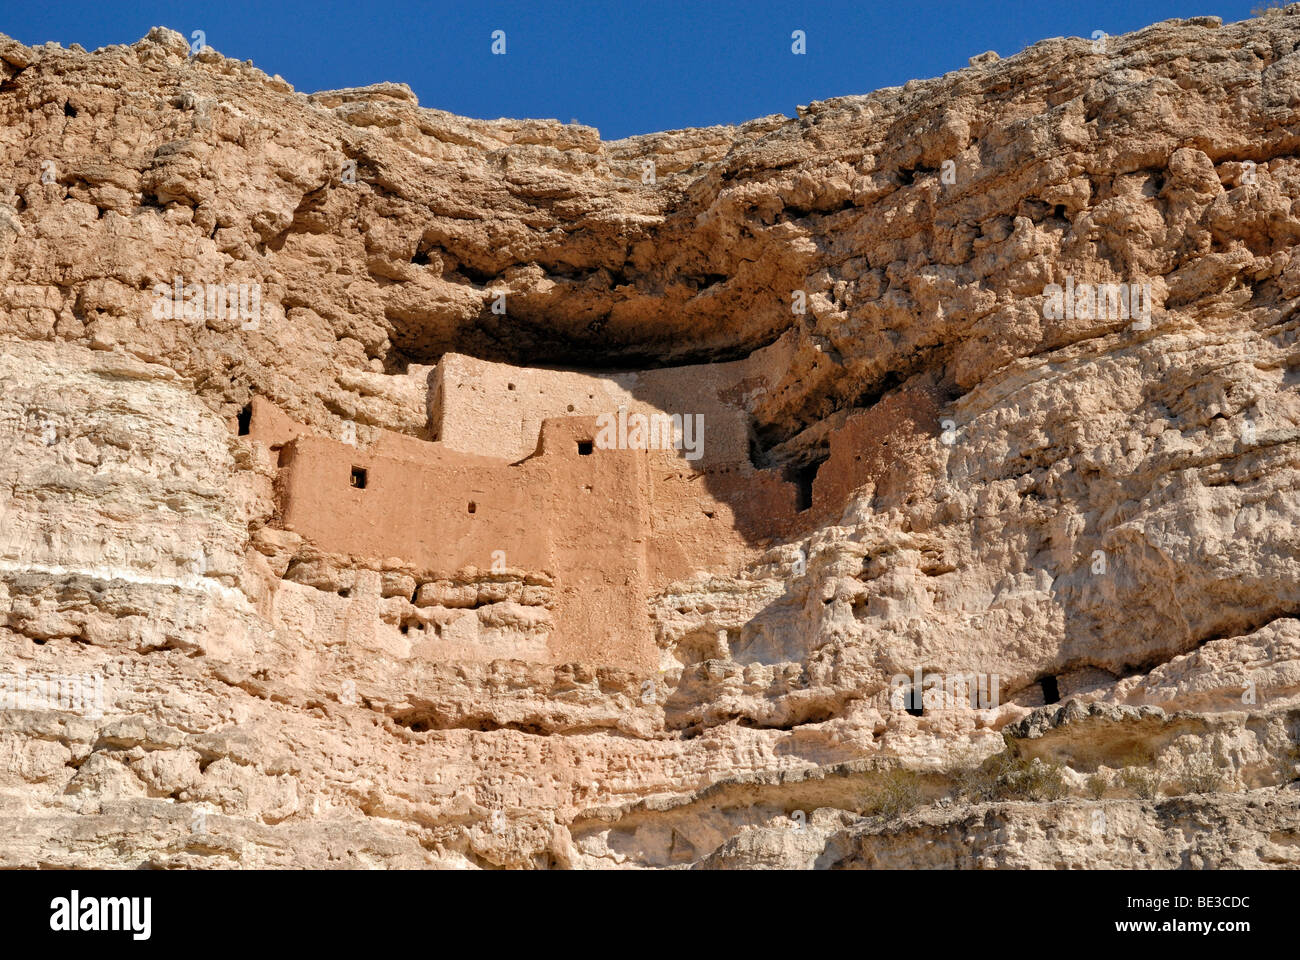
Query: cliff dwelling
point(514, 483)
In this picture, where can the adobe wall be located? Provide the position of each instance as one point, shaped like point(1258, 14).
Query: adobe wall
point(497, 409)
point(708, 513)
point(442, 511)
point(580, 520)
point(713, 520)
point(875, 446)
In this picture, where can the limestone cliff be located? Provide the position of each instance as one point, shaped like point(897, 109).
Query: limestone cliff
point(1000, 380)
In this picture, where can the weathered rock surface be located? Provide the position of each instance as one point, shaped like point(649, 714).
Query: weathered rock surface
point(1106, 513)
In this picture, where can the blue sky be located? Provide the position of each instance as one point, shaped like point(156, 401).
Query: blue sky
point(625, 67)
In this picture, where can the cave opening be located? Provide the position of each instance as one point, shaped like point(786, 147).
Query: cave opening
point(914, 703)
point(1051, 690)
point(245, 420)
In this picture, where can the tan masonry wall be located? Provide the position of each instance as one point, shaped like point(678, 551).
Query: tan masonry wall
point(497, 409)
point(608, 527)
point(578, 520)
point(876, 446)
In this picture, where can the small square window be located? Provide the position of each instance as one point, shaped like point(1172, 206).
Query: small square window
point(585, 447)
point(358, 478)
point(914, 702)
point(473, 507)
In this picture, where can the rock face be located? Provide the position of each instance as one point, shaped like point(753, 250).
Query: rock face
point(990, 556)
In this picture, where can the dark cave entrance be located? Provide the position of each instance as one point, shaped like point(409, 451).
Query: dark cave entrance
point(1051, 690)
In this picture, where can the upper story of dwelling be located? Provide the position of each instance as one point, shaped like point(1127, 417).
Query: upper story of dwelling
point(497, 410)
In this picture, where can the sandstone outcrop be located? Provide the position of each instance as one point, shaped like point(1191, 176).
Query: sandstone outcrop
point(1000, 380)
